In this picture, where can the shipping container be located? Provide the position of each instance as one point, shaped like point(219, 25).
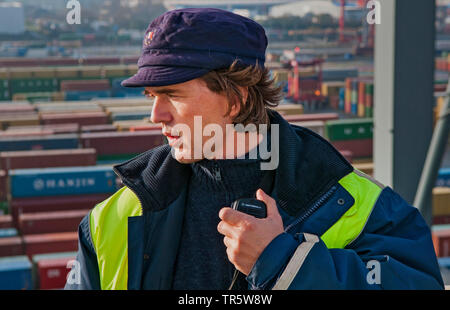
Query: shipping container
point(68, 107)
point(126, 125)
point(128, 116)
point(6, 221)
point(112, 143)
point(348, 155)
point(82, 119)
point(11, 246)
point(441, 201)
point(50, 243)
point(16, 108)
point(86, 95)
point(124, 103)
point(8, 232)
point(98, 128)
point(359, 147)
point(51, 270)
point(443, 179)
point(15, 273)
point(62, 181)
point(316, 126)
point(63, 141)
point(311, 117)
point(25, 134)
point(18, 120)
point(3, 189)
point(50, 222)
point(441, 240)
point(81, 85)
point(289, 109)
point(127, 109)
point(47, 158)
point(153, 127)
point(54, 203)
point(441, 220)
point(56, 128)
point(349, 129)
point(4, 207)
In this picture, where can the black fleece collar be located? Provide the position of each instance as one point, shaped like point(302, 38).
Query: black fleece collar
point(308, 167)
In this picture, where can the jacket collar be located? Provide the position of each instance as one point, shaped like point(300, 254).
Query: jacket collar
point(308, 167)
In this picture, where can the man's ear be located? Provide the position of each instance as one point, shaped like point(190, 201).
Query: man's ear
point(235, 109)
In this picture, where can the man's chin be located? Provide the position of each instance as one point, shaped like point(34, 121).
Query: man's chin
point(181, 157)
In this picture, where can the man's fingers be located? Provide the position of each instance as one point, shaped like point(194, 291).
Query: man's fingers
point(234, 217)
point(226, 229)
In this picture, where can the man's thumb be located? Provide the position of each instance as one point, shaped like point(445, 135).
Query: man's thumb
point(269, 201)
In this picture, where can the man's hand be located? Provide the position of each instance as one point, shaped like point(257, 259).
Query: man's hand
point(246, 236)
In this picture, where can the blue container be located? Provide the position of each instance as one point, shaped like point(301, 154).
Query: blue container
point(129, 116)
point(15, 273)
point(86, 95)
point(62, 181)
point(443, 179)
point(63, 141)
point(338, 74)
point(133, 92)
point(8, 232)
point(341, 98)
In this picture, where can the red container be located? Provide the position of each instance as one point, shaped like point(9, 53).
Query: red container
point(50, 222)
point(101, 61)
point(48, 158)
point(441, 242)
point(3, 189)
point(52, 272)
point(11, 246)
point(112, 143)
point(441, 220)
point(311, 117)
point(82, 118)
point(57, 203)
point(51, 243)
point(98, 128)
point(359, 147)
point(81, 85)
point(6, 221)
point(154, 127)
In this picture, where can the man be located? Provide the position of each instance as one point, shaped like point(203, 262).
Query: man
point(328, 226)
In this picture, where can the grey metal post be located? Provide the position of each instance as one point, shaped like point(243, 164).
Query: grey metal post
point(404, 80)
point(433, 160)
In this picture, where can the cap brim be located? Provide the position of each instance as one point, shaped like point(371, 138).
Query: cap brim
point(162, 76)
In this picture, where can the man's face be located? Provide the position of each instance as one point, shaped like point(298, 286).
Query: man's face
point(176, 105)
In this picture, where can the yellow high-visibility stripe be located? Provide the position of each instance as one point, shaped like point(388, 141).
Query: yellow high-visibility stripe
point(109, 231)
point(365, 191)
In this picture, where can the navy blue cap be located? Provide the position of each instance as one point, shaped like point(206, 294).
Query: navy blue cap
point(185, 44)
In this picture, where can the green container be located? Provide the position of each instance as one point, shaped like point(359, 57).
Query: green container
point(4, 85)
point(369, 89)
point(368, 112)
point(5, 95)
point(34, 85)
point(349, 129)
point(4, 209)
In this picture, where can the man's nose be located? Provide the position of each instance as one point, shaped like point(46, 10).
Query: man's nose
point(160, 111)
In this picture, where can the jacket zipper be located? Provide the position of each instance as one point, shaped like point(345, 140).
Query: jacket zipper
point(311, 210)
point(140, 201)
point(217, 174)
